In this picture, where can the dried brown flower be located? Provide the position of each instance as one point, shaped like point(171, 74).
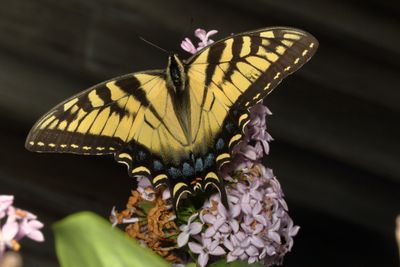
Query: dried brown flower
point(151, 221)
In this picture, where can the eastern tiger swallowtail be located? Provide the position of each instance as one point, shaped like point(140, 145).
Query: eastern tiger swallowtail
point(177, 125)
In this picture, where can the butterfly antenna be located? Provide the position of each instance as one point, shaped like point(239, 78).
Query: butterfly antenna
point(154, 45)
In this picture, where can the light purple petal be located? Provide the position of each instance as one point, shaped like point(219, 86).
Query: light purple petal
point(9, 230)
point(35, 224)
point(235, 210)
point(201, 34)
point(211, 33)
point(228, 244)
point(231, 257)
point(247, 220)
point(183, 238)
point(265, 146)
point(243, 256)
point(245, 243)
point(210, 232)
point(257, 195)
point(246, 208)
point(235, 241)
point(207, 242)
point(240, 236)
point(256, 209)
point(234, 225)
point(143, 182)
point(166, 194)
point(241, 187)
point(270, 250)
point(6, 200)
point(252, 251)
point(203, 259)
point(208, 218)
point(259, 228)
point(294, 230)
point(268, 173)
point(250, 153)
point(188, 46)
point(224, 228)
point(195, 228)
point(28, 215)
point(212, 245)
point(218, 251)
point(36, 235)
point(195, 248)
point(257, 241)
point(274, 236)
point(261, 219)
point(222, 210)
point(219, 222)
point(237, 252)
point(252, 260)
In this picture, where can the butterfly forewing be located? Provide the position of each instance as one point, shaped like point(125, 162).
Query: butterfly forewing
point(231, 75)
point(102, 119)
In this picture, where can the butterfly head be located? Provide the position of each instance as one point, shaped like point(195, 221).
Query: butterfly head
point(176, 77)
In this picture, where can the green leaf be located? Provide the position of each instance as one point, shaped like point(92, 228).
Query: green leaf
point(87, 240)
point(223, 263)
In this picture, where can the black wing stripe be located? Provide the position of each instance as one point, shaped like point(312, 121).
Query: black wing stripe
point(215, 56)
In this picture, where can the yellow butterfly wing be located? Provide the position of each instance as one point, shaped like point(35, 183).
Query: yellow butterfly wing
point(135, 116)
point(130, 116)
point(230, 76)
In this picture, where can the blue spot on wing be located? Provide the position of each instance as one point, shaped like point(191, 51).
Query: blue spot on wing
point(140, 155)
point(187, 170)
point(174, 173)
point(199, 167)
point(209, 161)
point(229, 126)
point(157, 165)
point(220, 144)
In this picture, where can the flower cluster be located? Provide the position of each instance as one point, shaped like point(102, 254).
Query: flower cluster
point(18, 224)
point(204, 38)
point(255, 226)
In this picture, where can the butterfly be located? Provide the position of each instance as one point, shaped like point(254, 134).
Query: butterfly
point(177, 126)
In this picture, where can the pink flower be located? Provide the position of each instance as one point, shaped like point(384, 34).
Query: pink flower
point(188, 46)
point(7, 234)
point(28, 224)
point(145, 188)
point(222, 221)
point(204, 38)
point(208, 247)
point(189, 229)
point(19, 224)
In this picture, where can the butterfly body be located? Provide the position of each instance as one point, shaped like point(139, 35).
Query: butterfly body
point(177, 126)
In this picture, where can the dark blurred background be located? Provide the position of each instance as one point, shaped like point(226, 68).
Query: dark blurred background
point(335, 123)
